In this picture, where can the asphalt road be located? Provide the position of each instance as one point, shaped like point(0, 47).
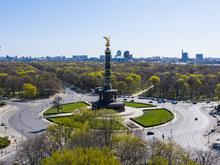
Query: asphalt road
point(24, 120)
point(184, 129)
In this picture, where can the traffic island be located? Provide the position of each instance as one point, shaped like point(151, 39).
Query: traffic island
point(154, 117)
point(66, 108)
point(137, 104)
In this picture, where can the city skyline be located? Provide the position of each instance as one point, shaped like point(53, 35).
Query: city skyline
point(145, 28)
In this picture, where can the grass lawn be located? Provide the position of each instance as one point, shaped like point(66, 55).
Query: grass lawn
point(99, 123)
point(154, 117)
point(4, 142)
point(137, 105)
point(66, 108)
point(95, 124)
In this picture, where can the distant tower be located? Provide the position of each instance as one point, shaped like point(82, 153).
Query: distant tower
point(118, 53)
point(126, 54)
point(185, 56)
point(199, 57)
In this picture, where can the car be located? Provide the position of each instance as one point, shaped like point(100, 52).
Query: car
point(150, 133)
point(2, 124)
point(150, 101)
point(125, 99)
point(194, 102)
point(207, 102)
point(214, 116)
point(132, 100)
point(132, 97)
point(218, 123)
point(216, 145)
point(174, 102)
point(196, 118)
point(159, 101)
point(212, 130)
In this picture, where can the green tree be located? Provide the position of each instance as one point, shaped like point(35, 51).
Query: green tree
point(122, 86)
point(56, 103)
point(130, 81)
point(2, 91)
point(130, 149)
point(194, 84)
point(155, 81)
point(29, 91)
point(81, 156)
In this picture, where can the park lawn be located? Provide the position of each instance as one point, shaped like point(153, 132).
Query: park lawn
point(59, 120)
point(154, 117)
point(99, 123)
point(137, 104)
point(4, 142)
point(66, 108)
point(95, 124)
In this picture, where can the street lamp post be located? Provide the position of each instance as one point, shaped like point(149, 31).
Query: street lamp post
point(163, 137)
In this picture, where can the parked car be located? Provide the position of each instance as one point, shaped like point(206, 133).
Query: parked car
point(212, 130)
point(216, 145)
point(125, 99)
point(2, 124)
point(196, 118)
point(150, 133)
point(174, 102)
point(150, 101)
point(194, 102)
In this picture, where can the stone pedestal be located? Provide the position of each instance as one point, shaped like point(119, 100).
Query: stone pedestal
point(107, 95)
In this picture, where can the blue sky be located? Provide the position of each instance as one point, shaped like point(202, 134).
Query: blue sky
point(145, 27)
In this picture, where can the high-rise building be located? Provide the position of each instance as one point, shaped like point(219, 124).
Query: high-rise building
point(199, 57)
point(127, 55)
point(185, 56)
point(102, 57)
point(118, 54)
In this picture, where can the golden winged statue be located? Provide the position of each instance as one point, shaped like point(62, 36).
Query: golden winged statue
point(107, 41)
